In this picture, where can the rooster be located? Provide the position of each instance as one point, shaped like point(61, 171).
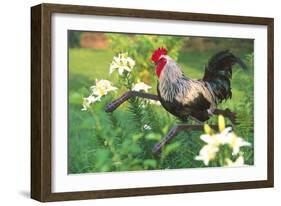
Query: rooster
point(185, 97)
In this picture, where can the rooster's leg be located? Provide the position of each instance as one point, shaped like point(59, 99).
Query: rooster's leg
point(174, 131)
point(116, 103)
point(226, 113)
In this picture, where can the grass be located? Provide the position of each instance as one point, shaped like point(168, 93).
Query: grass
point(100, 142)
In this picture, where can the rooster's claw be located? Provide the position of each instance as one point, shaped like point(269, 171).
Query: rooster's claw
point(232, 116)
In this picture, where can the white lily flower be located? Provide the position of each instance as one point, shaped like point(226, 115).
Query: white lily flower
point(131, 62)
point(122, 63)
point(88, 101)
point(117, 60)
point(101, 88)
point(85, 104)
point(237, 163)
point(123, 68)
point(236, 142)
point(112, 67)
point(210, 139)
point(141, 86)
point(207, 153)
point(216, 139)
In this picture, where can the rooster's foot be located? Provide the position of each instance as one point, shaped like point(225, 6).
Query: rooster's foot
point(228, 114)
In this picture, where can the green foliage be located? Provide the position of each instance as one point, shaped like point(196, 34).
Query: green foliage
point(74, 39)
point(119, 141)
point(140, 48)
point(246, 119)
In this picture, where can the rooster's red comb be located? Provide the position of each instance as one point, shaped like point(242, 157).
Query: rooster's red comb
point(157, 53)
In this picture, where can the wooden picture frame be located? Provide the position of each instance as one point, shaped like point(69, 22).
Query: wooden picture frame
point(41, 96)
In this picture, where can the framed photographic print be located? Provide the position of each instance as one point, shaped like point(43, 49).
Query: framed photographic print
point(132, 102)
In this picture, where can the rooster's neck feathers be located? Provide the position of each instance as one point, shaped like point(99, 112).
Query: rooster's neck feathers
point(171, 81)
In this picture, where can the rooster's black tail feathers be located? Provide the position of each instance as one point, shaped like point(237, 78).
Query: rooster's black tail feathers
point(218, 73)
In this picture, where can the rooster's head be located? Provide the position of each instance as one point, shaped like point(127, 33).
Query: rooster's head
point(158, 57)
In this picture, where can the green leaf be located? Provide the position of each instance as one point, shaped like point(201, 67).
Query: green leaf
point(150, 163)
point(102, 157)
point(134, 148)
point(153, 136)
point(170, 148)
point(136, 137)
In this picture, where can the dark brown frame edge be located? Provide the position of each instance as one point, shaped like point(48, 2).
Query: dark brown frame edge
point(41, 101)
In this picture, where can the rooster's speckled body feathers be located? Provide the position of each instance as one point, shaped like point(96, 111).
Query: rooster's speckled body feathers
point(185, 97)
